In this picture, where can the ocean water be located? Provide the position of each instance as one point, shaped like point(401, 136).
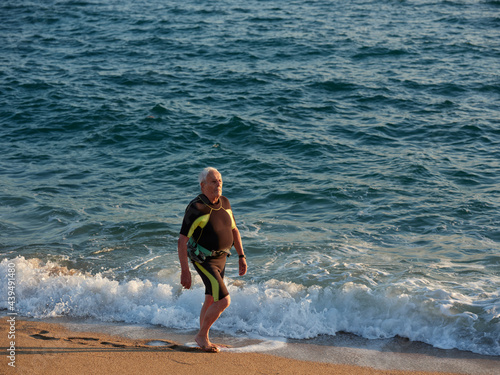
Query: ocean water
point(358, 140)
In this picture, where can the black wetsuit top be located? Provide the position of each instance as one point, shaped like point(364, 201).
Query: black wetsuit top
point(210, 225)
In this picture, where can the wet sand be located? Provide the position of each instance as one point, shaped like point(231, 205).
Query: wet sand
point(53, 348)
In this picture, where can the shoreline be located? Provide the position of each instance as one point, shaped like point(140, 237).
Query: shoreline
point(57, 346)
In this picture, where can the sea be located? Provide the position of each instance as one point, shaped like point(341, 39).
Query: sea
point(358, 141)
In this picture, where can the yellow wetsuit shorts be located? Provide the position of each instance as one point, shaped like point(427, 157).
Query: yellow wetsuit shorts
point(211, 272)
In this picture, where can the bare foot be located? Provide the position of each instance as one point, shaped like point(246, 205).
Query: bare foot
point(206, 345)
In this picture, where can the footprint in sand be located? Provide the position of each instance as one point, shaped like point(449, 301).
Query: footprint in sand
point(82, 340)
point(42, 336)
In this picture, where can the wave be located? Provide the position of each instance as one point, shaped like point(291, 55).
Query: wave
point(411, 309)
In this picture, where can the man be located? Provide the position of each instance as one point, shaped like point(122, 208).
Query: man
point(207, 234)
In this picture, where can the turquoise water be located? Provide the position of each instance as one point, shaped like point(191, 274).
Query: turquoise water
point(359, 142)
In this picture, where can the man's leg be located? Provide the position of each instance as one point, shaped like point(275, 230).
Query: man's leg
point(210, 312)
point(209, 300)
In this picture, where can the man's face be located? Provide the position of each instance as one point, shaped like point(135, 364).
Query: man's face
point(212, 187)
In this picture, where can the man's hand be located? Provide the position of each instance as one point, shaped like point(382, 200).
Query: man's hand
point(243, 266)
point(183, 259)
point(186, 279)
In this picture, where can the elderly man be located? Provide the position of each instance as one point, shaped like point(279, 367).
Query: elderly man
point(207, 234)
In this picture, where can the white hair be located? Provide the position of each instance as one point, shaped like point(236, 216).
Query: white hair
point(204, 173)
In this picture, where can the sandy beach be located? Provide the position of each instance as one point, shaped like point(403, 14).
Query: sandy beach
point(48, 348)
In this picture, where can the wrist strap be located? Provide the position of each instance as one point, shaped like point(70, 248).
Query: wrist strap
point(242, 256)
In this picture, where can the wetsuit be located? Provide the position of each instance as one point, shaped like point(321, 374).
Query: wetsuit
point(210, 226)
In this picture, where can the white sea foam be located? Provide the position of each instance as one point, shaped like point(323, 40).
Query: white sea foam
point(411, 308)
point(263, 345)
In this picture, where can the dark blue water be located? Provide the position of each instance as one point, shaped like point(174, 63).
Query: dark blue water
point(359, 142)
